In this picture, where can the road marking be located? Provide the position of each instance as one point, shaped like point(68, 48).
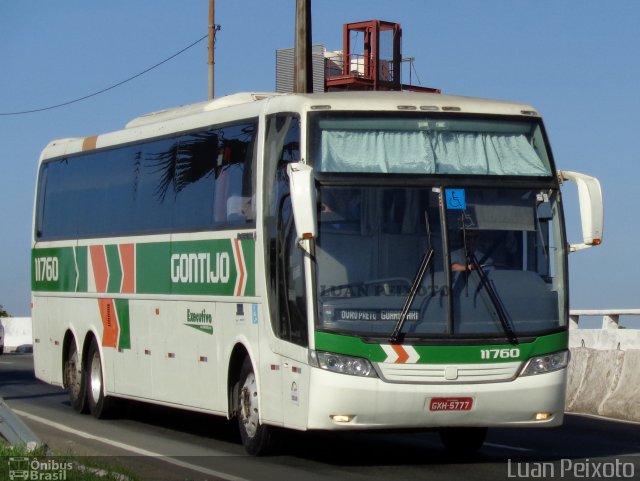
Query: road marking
point(504, 446)
point(133, 449)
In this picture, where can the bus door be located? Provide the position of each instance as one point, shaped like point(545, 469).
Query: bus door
point(287, 270)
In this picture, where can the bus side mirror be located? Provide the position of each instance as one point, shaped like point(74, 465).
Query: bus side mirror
point(591, 208)
point(303, 199)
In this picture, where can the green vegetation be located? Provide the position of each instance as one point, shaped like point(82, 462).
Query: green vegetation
point(3, 313)
point(17, 463)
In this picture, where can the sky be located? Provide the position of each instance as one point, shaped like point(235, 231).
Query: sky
point(576, 61)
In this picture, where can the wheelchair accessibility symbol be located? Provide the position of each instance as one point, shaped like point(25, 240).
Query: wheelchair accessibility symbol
point(456, 199)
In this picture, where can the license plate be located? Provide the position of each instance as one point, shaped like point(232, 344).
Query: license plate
point(451, 404)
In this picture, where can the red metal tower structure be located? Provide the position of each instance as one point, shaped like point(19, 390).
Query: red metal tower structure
point(377, 67)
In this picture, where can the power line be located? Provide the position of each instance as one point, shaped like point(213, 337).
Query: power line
point(105, 89)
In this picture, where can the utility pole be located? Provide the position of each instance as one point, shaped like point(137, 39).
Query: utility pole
point(212, 36)
point(303, 75)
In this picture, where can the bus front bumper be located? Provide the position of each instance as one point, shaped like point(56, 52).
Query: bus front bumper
point(344, 402)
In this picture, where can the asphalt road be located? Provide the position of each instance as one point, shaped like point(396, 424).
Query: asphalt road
point(159, 443)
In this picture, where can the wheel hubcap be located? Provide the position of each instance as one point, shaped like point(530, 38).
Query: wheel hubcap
point(249, 412)
point(96, 377)
point(73, 374)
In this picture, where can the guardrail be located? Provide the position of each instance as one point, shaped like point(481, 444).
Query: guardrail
point(610, 317)
point(15, 431)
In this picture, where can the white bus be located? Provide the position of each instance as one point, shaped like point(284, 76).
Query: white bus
point(336, 261)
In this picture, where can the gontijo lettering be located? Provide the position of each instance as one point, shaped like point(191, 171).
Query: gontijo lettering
point(197, 268)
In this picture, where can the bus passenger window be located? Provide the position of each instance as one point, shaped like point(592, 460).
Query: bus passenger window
point(234, 185)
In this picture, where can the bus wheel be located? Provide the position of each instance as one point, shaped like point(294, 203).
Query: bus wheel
point(74, 380)
point(463, 440)
point(256, 437)
point(101, 406)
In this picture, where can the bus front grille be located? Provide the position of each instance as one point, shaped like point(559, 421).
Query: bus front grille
point(447, 374)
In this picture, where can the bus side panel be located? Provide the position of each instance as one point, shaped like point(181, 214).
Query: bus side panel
point(52, 318)
point(271, 374)
point(132, 361)
point(185, 349)
point(177, 350)
point(295, 387)
point(43, 345)
point(238, 335)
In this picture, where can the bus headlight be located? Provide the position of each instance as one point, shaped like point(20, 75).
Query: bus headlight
point(546, 363)
point(355, 366)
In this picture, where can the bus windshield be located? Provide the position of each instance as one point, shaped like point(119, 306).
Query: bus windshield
point(496, 267)
point(418, 144)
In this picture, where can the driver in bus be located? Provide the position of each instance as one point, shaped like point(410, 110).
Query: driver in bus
point(486, 245)
point(459, 260)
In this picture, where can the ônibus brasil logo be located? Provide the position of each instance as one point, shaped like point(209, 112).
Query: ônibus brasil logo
point(36, 469)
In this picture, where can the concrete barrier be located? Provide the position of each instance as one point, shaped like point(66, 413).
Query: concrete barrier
point(604, 373)
point(17, 332)
point(576, 375)
point(594, 376)
point(624, 401)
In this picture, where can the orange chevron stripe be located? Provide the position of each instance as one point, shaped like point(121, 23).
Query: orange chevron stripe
point(402, 354)
point(236, 244)
point(100, 269)
point(109, 322)
point(127, 258)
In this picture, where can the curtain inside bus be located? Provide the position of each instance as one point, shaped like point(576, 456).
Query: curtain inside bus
point(424, 152)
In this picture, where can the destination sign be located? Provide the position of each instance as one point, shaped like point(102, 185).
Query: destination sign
point(372, 315)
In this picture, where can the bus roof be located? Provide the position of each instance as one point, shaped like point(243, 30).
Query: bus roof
point(200, 107)
point(249, 104)
point(408, 101)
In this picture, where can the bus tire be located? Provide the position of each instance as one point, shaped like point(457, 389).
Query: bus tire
point(256, 437)
point(100, 406)
point(74, 379)
point(463, 440)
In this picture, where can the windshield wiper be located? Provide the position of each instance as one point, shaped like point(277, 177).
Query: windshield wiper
point(503, 316)
point(415, 285)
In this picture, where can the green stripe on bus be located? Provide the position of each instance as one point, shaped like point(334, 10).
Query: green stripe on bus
point(351, 345)
point(151, 271)
point(53, 269)
point(249, 250)
point(205, 267)
point(124, 337)
point(354, 346)
point(81, 263)
point(190, 267)
point(115, 268)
